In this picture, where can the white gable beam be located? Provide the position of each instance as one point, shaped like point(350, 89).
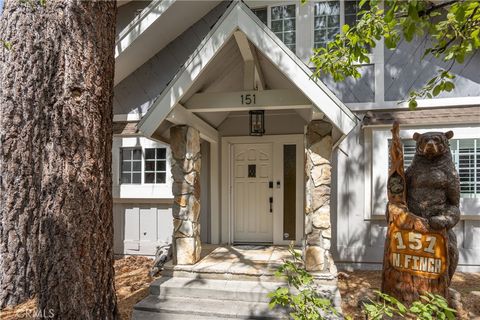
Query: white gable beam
point(180, 115)
point(248, 100)
point(243, 45)
point(253, 77)
point(259, 79)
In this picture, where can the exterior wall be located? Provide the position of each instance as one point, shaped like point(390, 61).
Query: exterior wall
point(138, 191)
point(140, 227)
point(128, 12)
point(405, 71)
point(279, 123)
point(142, 212)
point(359, 221)
point(136, 93)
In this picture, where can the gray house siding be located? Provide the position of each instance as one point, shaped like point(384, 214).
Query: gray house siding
point(128, 12)
point(354, 90)
point(138, 91)
point(404, 71)
point(359, 240)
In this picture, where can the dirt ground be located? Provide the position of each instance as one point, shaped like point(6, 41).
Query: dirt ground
point(132, 281)
point(355, 286)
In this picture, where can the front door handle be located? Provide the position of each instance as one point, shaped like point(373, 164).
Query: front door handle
point(271, 203)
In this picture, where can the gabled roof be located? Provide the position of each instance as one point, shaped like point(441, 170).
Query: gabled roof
point(140, 39)
point(239, 17)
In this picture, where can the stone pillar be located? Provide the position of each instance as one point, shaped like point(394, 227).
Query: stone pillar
point(318, 232)
point(185, 145)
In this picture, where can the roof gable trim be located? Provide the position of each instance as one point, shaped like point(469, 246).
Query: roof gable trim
point(239, 17)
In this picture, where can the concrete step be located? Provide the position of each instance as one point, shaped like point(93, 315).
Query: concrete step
point(248, 291)
point(190, 298)
point(176, 308)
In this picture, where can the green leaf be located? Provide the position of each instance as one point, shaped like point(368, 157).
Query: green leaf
point(412, 104)
point(449, 86)
point(436, 91)
point(345, 28)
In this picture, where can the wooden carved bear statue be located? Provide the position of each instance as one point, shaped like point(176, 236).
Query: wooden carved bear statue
point(433, 187)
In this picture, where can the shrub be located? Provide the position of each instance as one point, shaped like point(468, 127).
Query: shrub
point(300, 298)
point(430, 306)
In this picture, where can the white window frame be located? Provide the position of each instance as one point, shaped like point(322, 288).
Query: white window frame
point(269, 4)
point(286, 3)
point(155, 171)
point(376, 158)
point(131, 172)
point(376, 56)
point(142, 190)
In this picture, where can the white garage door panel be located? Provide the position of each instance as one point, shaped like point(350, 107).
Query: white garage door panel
point(164, 225)
point(148, 224)
point(132, 224)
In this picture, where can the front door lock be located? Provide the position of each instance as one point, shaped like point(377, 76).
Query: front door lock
point(271, 204)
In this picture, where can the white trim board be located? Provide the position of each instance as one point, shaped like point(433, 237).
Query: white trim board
point(239, 17)
point(422, 103)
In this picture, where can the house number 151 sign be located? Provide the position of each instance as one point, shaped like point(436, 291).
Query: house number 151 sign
point(418, 253)
point(248, 99)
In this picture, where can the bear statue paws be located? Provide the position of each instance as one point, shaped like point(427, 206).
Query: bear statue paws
point(438, 222)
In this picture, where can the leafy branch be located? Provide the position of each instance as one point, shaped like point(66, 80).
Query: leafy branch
point(429, 307)
point(300, 298)
point(454, 36)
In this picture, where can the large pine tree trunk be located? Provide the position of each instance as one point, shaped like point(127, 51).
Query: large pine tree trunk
point(56, 130)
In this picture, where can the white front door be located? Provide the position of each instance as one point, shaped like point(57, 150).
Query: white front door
point(253, 211)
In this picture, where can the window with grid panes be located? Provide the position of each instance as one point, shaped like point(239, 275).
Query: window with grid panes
point(326, 22)
point(282, 23)
point(466, 156)
point(352, 8)
point(155, 165)
point(262, 14)
point(131, 165)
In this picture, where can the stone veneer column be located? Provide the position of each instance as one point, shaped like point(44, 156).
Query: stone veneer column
point(318, 232)
point(185, 146)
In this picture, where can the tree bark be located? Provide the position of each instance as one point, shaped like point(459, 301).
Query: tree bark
point(56, 134)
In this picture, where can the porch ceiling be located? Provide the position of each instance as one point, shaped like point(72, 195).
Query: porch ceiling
point(226, 74)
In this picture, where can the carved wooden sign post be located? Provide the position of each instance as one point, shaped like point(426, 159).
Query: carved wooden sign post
point(416, 258)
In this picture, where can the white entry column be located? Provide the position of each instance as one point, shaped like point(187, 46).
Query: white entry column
point(318, 232)
point(185, 145)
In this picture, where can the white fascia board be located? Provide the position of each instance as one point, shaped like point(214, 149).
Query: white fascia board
point(189, 73)
point(141, 23)
point(422, 103)
point(294, 69)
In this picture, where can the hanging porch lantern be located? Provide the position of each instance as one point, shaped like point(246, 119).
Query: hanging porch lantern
point(257, 122)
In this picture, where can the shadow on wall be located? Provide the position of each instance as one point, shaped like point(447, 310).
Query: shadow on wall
point(405, 71)
point(354, 238)
point(139, 91)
